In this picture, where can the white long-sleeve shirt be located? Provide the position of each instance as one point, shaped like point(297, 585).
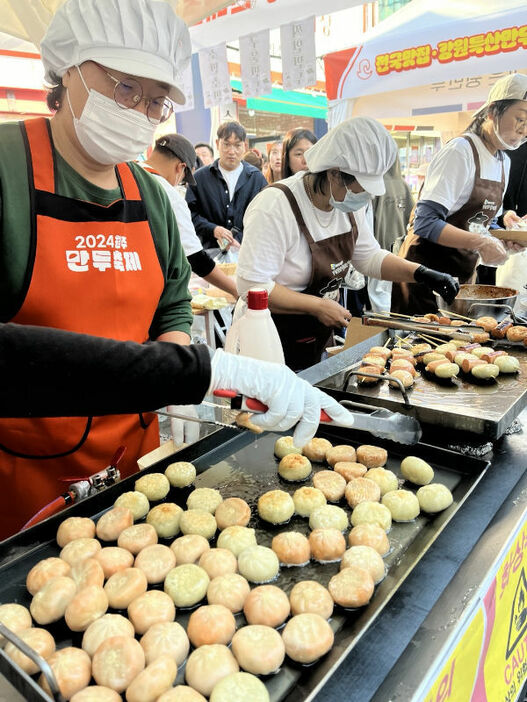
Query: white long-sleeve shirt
point(274, 250)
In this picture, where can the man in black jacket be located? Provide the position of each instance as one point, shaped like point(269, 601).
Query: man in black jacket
point(516, 195)
point(224, 190)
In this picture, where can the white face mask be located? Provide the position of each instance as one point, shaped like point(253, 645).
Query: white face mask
point(352, 201)
point(108, 133)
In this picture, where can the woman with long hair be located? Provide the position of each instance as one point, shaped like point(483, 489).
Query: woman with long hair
point(273, 168)
point(295, 143)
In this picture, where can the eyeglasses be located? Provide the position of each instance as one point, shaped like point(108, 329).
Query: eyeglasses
point(229, 146)
point(128, 93)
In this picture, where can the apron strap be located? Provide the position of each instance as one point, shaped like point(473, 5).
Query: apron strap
point(475, 154)
point(41, 162)
point(296, 210)
point(127, 181)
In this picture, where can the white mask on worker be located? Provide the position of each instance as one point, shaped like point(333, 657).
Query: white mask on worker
point(107, 132)
point(352, 201)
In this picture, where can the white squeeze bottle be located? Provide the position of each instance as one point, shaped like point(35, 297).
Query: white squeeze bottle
point(254, 334)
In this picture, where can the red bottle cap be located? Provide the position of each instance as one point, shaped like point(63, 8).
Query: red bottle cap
point(257, 299)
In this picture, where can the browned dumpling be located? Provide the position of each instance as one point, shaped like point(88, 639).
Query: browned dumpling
point(96, 693)
point(89, 604)
point(88, 572)
point(43, 571)
point(39, 640)
point(75, 528)
point(350, 469)
point(258, 649)
point(230, 590)
point(306, 499)
point(156, 678)
point(352, 587)
point(189, 548)
point(267, 605)
point(117, 661)
point(72, 669)
point(327, 545)
point(367, 558)
point(342, 452)
point(50, 602)
point(218, 561)
point(155, 562)
point(316, 449)
point(370, 535)
point(232, 512)
point(362, 490)
point(165, 637)
point(108, 626)
point(211, 624)
point(294, 467)
point(308, 596)
point(307, 637)
point(292, 548)
point(207, 665)
point(113, 522)
point(330, 483)
point(123, 587)
point(137, 537)
point(372, 456)
point(79, 550)
point(150, 608)
point(113, 559)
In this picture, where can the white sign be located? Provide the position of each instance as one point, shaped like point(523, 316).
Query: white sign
point(186, 85)
point(298, 54)
point(215, 78)
point(255, 63)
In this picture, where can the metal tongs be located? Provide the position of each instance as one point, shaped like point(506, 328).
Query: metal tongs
point(382, 423)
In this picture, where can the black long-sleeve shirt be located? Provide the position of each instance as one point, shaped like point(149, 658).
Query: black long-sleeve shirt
point(53, 373)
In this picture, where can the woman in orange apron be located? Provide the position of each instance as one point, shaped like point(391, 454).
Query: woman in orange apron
point(304, 236)
point(462, 194)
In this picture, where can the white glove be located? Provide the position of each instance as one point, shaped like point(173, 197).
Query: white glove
point(183, 432)
point(290, 399)
point(491, 250)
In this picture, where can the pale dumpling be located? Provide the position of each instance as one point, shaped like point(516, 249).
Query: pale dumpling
point(165, 637)
point(165, 519)
point(232, 512)
point(198, 521)
point(150, 608)
point(370, 535)
point(43, 571)
point(181, 474)
point(15, 617)
point(341, 452)
point(306, 499)
point(307, 637)
point(96, 693)
point(88, 572)
point(117, 661)
point(239, 687)
point(208, 499)
point(267, 605)
point(367, 558)
point(434, 497)
point(207, 665)
point(259, 649)
point(211, 624)
point(150, 683)
point(316, 449)
point(113, 559)
point(155, 562)
point(309, 596)
point(87, 605)
point(113, 522)
point(284, 445)
point(385, 479)
point(79, 550)
point(155, 486)
point(330, 483)
point(218, 561)
point(181, 693)
point(362, 490)
point(49, 603)
point(124, 586)
point(403, 505)
point(372, 513)
point(39, 640)
point(189, 548)
point(135, 501)
point(327, 517)
point(106, 627)
point(276, 506)
point(416, 470)
point(137, 537)
point(186, 584)
point(236, 539)
point(258, 564)
point(229, 590)
point(75, 528)
point(72, 669)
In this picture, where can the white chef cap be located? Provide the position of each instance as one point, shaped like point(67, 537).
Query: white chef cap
point(360, 146)
point(144, 38)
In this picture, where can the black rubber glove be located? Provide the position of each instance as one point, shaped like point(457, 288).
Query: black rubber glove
point(441, 283)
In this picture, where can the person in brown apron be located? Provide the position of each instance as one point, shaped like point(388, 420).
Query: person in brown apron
point(501, 123)
point(346, 168)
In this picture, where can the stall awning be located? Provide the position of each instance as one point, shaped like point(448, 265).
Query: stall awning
point(286, 102)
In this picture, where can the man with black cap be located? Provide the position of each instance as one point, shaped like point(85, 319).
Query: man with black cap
point(172, 163)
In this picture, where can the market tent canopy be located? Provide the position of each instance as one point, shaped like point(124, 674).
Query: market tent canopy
point(28, 19)
point(427, 41)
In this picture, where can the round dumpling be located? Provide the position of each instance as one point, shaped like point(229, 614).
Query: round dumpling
point(165, 637)
point(43, 571)
point(204, 498)
point(113, 522)
point(189, 548)
point(258, 564)
point(155, 562)
point(385, 479)
point(198, 521)
point(367, 558)
point(276, 506)
point(434, 497)
point(232, 512)
point(258, 649)
point(341, 452)
point(165, 519)
point(329, 517)
point(113, 558)
point(218, 561)
point(327, 545)
point(306, 499)
point(238, 687)
point(294, 467)
point(181, 474)
point(150, 683)
point(372, 513)
point(39, 640)
point(362, 490)
point(124, 586)
point(352, 587)
point(96, 693)
point(284, 445)
point(150, 608)
point(211, 624)
point(50, 602)
point(369, 535)
point(350, 470)
point(292, 548)
point(372, 456)
point(117, 661)
point(87, 605)
point(403, 505)
point(72, 669)
point(79, 550)
point(88, 572)
point(229, 590)
point(307, 637)
point(207, 665)
point(75, 528)
point(316, 449)
point(106, 627)
point(330, 483)
point(137, 537)
point(416, 470)
point(186, 584)
point(236, 539)
point(154, 486)
point(135, 501)
point(308, 596)
point(15, 617)
point(267, 605)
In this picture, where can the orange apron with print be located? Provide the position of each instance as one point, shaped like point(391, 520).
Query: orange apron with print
point(92, 269)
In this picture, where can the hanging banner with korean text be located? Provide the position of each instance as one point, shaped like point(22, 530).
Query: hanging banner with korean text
point(255, 63)
point(299, 58)
point(185, 83)
point(215, 78)
point(427, 47)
